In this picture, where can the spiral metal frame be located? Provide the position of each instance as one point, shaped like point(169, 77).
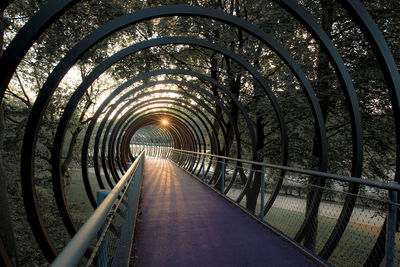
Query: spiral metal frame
point(135, 99)
point(185, 94)
point(51, 11)
point(190, 119)
point(106, 118)
point(193, 97)
point(190, 131)
point(206, 126)
point(160, 145)
point(214, 146)
point(196, 112)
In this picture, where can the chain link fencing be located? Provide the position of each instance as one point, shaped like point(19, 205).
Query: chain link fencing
point(317, 216)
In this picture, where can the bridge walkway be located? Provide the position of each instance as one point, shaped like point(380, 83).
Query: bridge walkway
point(185, 223)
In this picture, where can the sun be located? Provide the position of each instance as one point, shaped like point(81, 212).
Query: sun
point(164, 122)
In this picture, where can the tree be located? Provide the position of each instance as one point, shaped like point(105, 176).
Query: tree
point(6, 227)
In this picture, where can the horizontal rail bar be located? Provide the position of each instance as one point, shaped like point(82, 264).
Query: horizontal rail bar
point(76, 248)
point(337, 177)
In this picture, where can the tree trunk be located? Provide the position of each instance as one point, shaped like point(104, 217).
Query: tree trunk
point(70, 153)
point(323, 92)
point(6, 227)
point(255, 182)
point(255, 185)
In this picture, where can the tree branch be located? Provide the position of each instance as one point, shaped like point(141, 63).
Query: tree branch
point(23, 100)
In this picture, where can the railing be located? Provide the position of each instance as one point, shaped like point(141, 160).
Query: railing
point(113, 223)
point(284, 200)
point(151, 149)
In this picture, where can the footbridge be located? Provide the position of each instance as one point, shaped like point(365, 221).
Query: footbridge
point(203, 134)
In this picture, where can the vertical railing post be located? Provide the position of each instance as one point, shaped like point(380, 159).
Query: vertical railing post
point(223, 177)
point(178, 161)
point(262, 193)
point(391, 228)
point(102, 254)
point(202, 169)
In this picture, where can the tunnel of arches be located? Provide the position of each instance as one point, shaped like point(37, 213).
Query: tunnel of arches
point(180, 106)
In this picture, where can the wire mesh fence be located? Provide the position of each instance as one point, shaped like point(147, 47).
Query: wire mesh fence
point(317, 216)
point(113, 246)
point(108, 234)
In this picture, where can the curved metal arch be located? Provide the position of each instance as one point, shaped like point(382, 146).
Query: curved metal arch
point(355, 117)
point(123, 144)
point(169, 40)
point(149, 93)
point(231, 20)
point(183, 128)
point(392, 78)
point(145, 94)
point(172, 132)
point(214, 145)
point(115, 93)
point(145, 14)
point(58, 141)
point(148, 119)
point(158, 131)
point(177, 120)
point(172, 91)
point(160, 91)
point(137, 89)
point(158, 101)
point(397, 94)
point(28, 143)
point(111, 110)
point(224, 89)
point(178, 136)
point(196, 112)
point(91, 127)
point(158, 140)
point(151, 118)
point(211, 135)
point(25, 38)
point(117, 127)
point(88, 42)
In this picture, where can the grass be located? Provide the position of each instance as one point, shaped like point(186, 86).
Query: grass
point(77, 200)
point(354, 246)
point(352, 250)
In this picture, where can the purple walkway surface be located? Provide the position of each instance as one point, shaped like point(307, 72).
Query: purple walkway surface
point(184, 223)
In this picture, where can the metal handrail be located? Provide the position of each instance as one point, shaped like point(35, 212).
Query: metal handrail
point(337, 177)
point(391, 201)
point(76, 248)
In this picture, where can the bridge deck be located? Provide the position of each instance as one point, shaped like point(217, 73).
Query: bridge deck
point(185, 223)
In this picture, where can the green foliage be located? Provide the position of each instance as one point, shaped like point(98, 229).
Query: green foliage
point(86, 16)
